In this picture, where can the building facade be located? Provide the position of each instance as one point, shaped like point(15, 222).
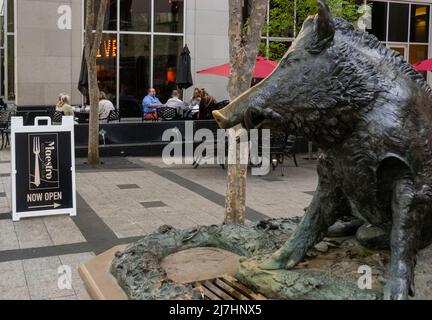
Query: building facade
point(42, 44)
point(42, 47)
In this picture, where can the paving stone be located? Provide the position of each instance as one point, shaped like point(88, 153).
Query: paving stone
point(153, 204)
point(47, 289)
point(74, 261)
point(82, 294)
point(72, 297)
point(13, 278)
point(46, 264)
point(14, 293)
point(132, 230)
point(62, 230)
point(42, 275)
point(32, 233)
point(149, 225)
point(127, 186)
point(8, 237)
point(10, 265)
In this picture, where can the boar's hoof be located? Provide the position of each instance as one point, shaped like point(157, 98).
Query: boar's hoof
point(398, 289)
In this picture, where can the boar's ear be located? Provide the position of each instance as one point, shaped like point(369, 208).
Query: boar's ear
point(324, 28)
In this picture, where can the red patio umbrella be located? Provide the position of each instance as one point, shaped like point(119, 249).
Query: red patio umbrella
point(425, 65)
point(263, 68)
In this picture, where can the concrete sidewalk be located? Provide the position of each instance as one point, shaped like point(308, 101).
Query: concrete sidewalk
point(118, 203)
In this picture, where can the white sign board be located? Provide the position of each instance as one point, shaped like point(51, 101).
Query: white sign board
point(43, 168)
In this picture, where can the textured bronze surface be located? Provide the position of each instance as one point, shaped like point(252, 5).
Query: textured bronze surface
point(370, 113)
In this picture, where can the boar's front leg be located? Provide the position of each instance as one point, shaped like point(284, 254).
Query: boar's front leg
point(406, 226)
point(328, 204)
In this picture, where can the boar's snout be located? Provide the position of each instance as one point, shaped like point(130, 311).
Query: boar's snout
point(224, 122)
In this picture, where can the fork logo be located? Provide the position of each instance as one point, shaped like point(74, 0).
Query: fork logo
point(43, 162)
point(36, 152)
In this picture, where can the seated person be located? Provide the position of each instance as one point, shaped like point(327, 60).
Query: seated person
point(206, 102)
point(64, 106)
point(150, 105)
point(105, 106)
point(175, 102)
point(192, 108)
point(196, 97)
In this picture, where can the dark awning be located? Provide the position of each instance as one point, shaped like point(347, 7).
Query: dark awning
point(184, 74)
point(83, 79)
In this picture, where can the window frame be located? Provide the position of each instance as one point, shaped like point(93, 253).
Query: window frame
point(150, 33)
point(408, 43)
point(267, 38)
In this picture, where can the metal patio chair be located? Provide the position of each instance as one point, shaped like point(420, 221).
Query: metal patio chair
point(114, 115)
point(5, 118)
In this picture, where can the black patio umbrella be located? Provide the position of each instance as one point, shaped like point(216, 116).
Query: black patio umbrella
point(83, 79)
point(184, 74)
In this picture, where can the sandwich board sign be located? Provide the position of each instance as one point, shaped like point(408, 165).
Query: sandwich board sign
point(43, 168)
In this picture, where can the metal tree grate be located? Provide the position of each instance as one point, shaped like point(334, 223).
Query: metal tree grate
point(226, 288)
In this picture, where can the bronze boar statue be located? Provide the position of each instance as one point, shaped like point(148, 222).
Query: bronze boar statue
point(370, 113)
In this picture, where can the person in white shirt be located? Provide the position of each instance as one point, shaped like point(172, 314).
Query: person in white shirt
point(105, 106)
point(175, 102)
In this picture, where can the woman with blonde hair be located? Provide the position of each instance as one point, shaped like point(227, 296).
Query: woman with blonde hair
point(64, 105)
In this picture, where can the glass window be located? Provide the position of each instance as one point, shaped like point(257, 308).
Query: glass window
point(2, 30)
point(281, 20)
point(106, 60)
point(166, 54)
point(168, 16)
point(11, 68)
point(277, 49)
point(10, 15)
point(379, 20)
point(398, 22)
point(401, 50)
point(263, 48)
point(135, 15)
point(134, 68)
point(2, 83)
point(419, 23)
point(418, 53)
point(110, 22)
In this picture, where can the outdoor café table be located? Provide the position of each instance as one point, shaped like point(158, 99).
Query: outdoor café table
point(82, 115)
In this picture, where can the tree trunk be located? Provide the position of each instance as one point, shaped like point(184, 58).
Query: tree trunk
point(93, 146)
point(244, 46)
point(91, 45)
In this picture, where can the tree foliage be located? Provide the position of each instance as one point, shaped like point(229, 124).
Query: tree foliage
point(282, 20)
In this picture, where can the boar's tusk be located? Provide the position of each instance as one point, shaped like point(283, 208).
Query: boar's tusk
point(221, 120)
point(224, 122)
